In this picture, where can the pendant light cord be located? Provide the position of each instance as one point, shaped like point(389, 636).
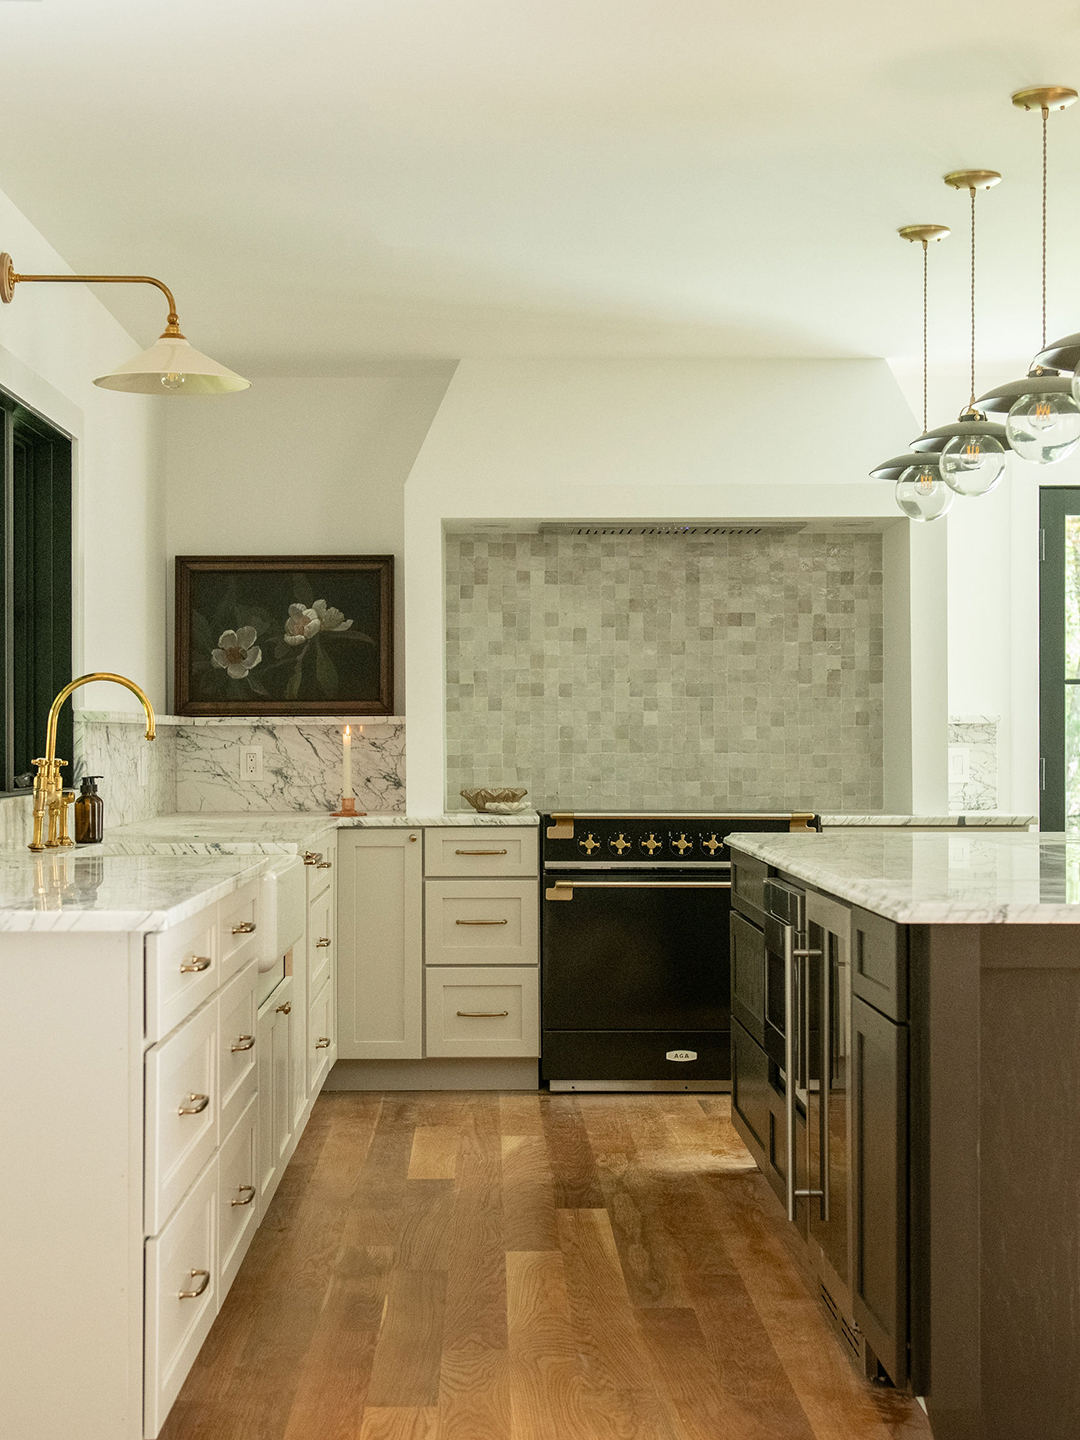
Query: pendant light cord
point(971, 402)
point(1045, 118)
point(925, 276)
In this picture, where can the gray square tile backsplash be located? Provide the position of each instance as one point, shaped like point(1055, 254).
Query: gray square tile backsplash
point(666, 673)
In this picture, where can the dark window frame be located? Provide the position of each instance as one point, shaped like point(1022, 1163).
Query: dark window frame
point(36, 586)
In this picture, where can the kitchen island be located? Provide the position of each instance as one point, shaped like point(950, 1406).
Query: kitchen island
point(928, 988)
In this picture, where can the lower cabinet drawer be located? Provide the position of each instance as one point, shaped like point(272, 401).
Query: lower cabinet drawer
point(482, 1010)
point(320, 940)
point(181, 1113)
point(481, 922)
point(238, 1023)
point(182, 970)
point(321, 1036)
point(238, 1195)
point(239, 940)
point(181, 1297)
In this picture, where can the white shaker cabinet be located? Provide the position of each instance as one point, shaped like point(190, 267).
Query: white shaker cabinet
point(275, 1089)
point(380, 944)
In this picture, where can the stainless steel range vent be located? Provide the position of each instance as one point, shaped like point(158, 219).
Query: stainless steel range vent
point(691, 532)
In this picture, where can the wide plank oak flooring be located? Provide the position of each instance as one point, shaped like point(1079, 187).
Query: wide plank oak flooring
point(526, 1267)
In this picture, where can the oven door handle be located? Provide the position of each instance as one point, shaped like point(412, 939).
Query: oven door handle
point(564, 889)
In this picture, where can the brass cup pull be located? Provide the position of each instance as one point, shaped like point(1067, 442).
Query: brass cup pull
point(483, 1014)
point(196, 964)
point(197, 1106)
point(203, 1283)
point(246, 927)
point(481, 922)
point(323, 1043)
point(245, 1199)
point(243, 1042)
point(285, 1009)
point(325, 865)
point(312, 857)
point(480, 852)
point(323, 944)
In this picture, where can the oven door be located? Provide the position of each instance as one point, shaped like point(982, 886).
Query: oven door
point(636, 979)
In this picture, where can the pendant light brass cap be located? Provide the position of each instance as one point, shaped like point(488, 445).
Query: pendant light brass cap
point(972, 179)
point(1044, 97)
point(1063, 354)
point(1037, 381)
point(925, 233)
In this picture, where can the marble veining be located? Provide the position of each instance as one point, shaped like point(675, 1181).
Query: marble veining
point(301, 766)
point(981, 819)
point(973, 742)
point(918, 878)
point(114, 749)
point(71, 890)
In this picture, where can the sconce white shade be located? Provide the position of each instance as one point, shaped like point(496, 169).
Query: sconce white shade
point(173, 367)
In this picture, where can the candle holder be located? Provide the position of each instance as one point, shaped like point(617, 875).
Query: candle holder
point(348, 808)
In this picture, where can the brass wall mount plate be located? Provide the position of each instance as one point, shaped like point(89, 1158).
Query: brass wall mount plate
point(972, 179)
point(1045, 97)
point(7, 278)
point(925, 233)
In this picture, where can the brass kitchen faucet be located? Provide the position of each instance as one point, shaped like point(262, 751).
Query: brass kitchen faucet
point(48, 786)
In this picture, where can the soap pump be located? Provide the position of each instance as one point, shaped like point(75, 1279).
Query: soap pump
point(89, 813)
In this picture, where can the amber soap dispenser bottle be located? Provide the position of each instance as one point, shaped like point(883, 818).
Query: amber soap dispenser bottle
point(89, 813)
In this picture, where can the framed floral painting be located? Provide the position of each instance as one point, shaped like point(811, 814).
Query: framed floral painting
point(284, 635)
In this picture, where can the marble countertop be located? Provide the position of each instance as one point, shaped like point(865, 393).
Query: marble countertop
point(918, 878)
point(82, 889)
point(969, 820)
point(270, 833)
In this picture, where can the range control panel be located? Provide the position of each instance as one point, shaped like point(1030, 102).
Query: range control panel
point(648, 839)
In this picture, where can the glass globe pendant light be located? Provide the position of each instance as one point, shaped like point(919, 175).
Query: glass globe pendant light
point(921, 493)
point(1043, 423)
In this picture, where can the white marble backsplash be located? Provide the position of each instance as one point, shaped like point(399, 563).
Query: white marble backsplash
point(301, 765)
point(114, 748)
point(973, 762)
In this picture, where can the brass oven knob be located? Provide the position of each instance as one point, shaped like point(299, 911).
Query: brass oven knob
point(650, 844)
point(712, 844)
point(682, 844)
point(620, 844)
point(589, 844)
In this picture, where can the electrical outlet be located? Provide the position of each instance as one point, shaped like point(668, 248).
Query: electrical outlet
point(251, 762)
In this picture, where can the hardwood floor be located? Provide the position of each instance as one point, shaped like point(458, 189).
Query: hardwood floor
point(526, 1267)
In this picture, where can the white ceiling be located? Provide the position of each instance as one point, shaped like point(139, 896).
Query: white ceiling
point(331, 185)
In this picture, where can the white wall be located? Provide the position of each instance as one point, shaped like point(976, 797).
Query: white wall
point(293, 467)
point(662, 440)
point(53, 340)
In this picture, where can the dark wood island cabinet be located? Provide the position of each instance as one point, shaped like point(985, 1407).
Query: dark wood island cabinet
point(929, 1152)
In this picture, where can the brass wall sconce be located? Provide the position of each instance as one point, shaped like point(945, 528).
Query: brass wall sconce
point(170, 367)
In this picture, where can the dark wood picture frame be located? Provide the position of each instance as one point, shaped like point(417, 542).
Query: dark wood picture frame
point(188, 570)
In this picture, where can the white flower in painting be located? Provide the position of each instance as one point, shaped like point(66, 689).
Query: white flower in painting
point(329, 618)
point(237, 652)
point(301, 625)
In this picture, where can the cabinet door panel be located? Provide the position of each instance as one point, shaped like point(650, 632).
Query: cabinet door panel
point(748, 976)
point(275, 1076)
point(879, 963)
point(238, 1022)
point(380, 945)
point(182, 1112)
point(879, 1184)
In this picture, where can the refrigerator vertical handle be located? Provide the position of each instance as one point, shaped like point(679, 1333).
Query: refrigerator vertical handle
point(791, 1022)
point(825, 1083)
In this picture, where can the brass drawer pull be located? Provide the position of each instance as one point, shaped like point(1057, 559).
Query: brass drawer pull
point(246, 927)
point(323, 944)
point(481, 922)
point(483, 1014)
point(243, 1042)
point(312, 857)
point(325, 865)
point(196, 964)
point(203, 1283)
point(198, 1105)
point(247, 1198)
point(285, 1009)
point(480, 852)
point(323, 1043)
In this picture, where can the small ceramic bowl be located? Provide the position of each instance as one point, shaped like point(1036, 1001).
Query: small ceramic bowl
point(506, 807)
point(481, 799)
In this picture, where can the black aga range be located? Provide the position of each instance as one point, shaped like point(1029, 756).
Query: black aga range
point(634, 948)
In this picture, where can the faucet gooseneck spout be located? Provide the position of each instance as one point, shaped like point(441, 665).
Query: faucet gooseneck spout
point(48, 786)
